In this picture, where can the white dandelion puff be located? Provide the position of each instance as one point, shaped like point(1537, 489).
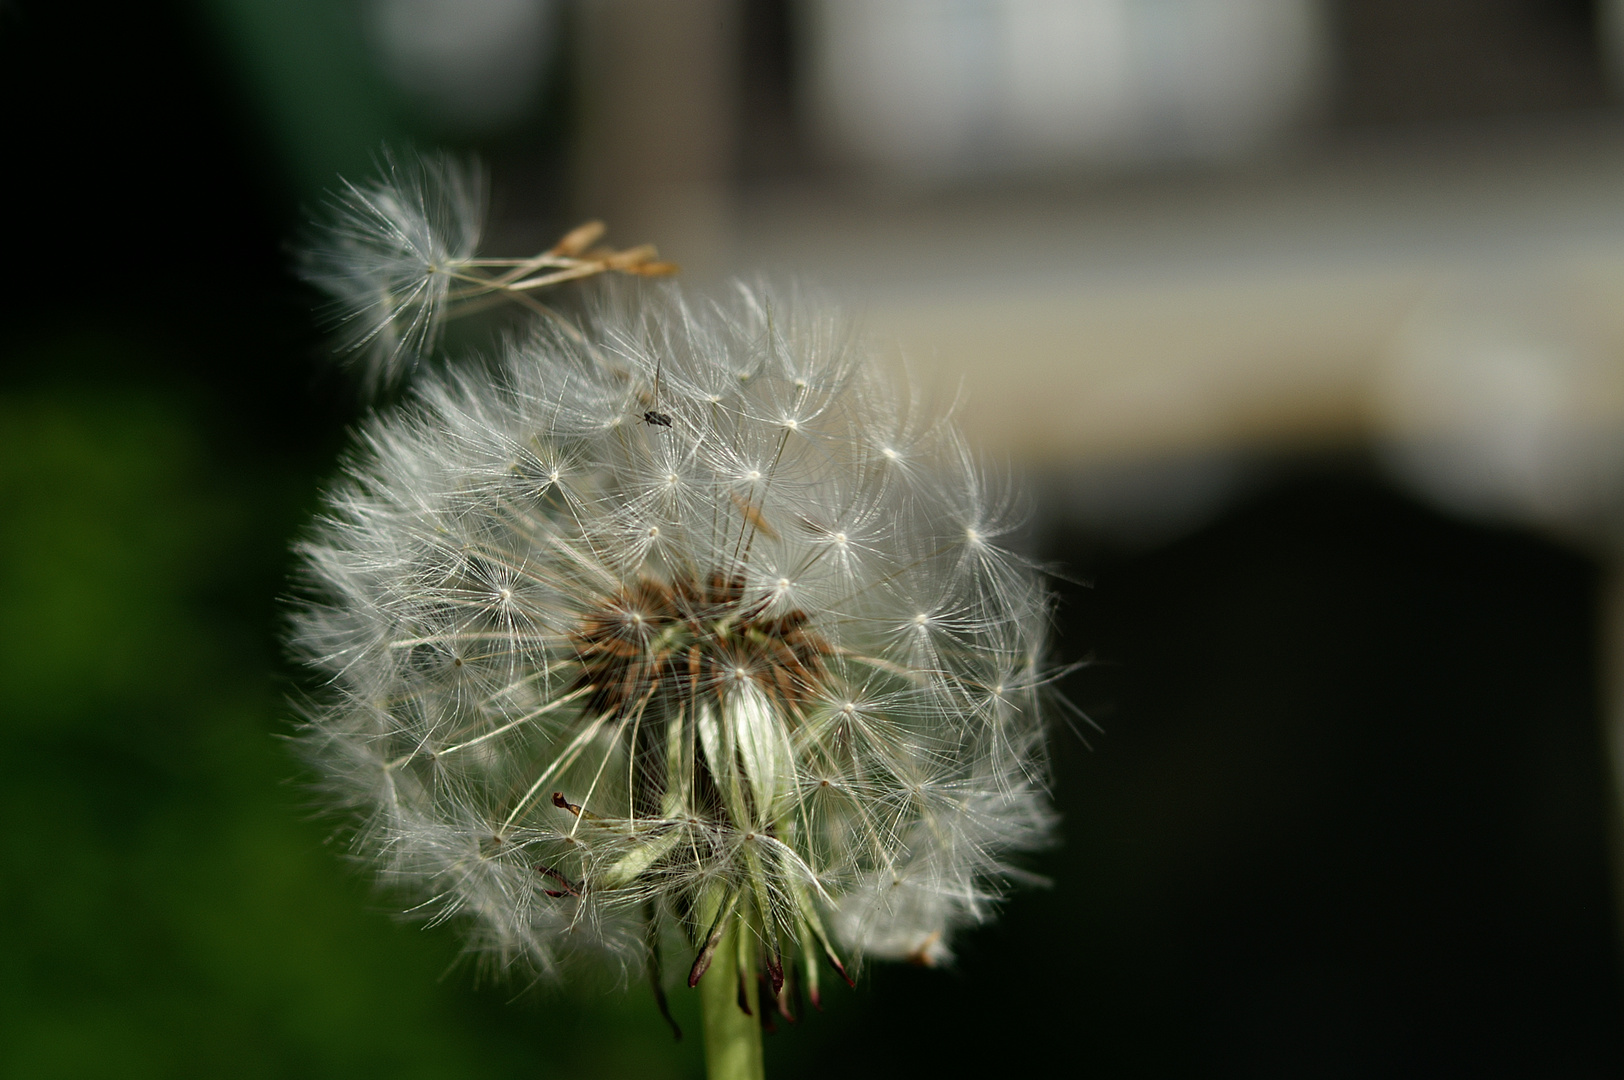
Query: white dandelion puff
point(637, 642)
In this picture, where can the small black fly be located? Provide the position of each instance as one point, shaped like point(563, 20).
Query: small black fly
point(652, 418)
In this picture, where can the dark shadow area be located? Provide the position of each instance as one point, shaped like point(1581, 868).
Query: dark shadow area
point(1403, 63)
point(1347, 817)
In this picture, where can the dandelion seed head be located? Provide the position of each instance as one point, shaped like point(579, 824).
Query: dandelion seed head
point(588, 679)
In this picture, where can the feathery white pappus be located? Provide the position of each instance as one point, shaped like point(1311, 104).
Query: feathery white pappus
point(389, 255)
point(396, 258)
point(678, 624)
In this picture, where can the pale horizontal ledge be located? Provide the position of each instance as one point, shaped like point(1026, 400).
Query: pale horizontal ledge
point(1114, 373)
point(1238, 311)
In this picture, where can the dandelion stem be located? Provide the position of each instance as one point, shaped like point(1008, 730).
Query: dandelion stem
point(732, 1036)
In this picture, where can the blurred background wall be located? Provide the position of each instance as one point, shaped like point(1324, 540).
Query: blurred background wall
point(1303, 319)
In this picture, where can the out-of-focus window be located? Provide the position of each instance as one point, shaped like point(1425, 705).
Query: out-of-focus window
point(968, 88)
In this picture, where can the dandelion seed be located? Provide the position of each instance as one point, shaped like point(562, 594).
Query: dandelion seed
point(389, 255)
point(396, 258)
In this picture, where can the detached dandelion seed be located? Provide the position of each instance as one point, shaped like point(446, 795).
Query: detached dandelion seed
point(748, 691)
point(396, 258)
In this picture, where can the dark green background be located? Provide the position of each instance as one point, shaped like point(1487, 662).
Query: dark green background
point(1347, 816)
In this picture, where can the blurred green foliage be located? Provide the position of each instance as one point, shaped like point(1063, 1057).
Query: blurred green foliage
point(173, 905)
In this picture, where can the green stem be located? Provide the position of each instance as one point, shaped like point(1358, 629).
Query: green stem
point(732, 1038)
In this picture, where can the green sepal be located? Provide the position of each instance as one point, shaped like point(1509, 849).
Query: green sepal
point(809, 915)
point(632, 865)
point(713, 940)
